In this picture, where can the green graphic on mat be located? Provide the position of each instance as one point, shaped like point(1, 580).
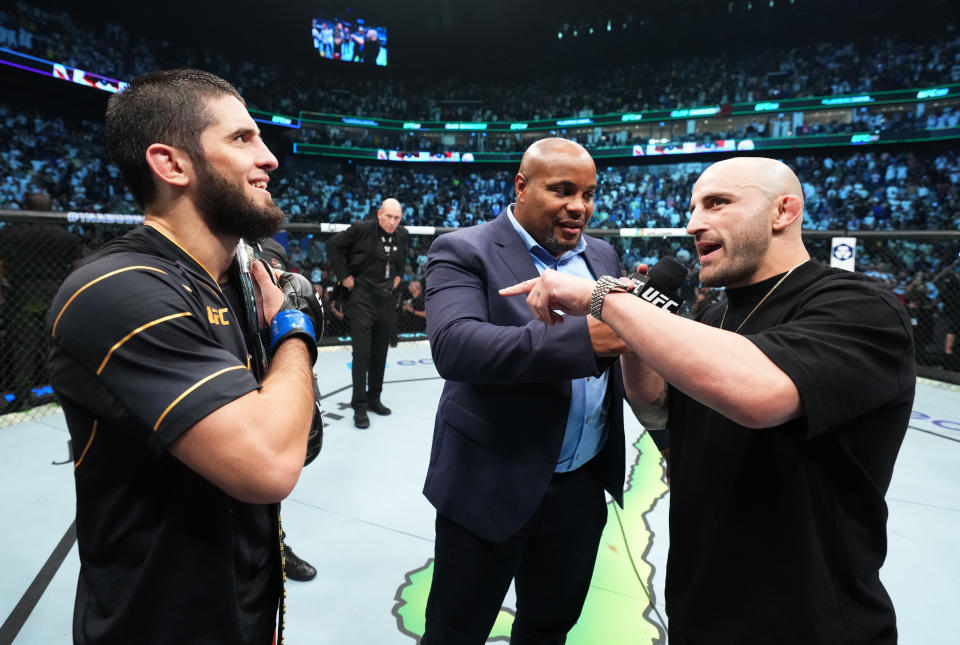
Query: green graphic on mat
point(617, 609)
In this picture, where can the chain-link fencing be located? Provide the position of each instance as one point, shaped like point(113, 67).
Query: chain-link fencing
point(38, 250)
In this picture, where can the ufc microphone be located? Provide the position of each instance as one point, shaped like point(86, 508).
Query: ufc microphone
point(661, 287)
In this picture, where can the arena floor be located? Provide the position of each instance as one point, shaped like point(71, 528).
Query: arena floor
point(358, 515)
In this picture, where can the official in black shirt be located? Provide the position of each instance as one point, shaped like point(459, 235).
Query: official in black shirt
point(181, 455)
point(786, 407)
point(368, 259)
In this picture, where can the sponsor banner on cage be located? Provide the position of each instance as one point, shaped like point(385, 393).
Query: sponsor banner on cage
point(104, 218)
point(843, 253)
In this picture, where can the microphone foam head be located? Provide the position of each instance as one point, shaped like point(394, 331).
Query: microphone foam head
point(669, 273)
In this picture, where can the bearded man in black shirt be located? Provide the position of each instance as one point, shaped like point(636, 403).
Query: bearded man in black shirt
point(786, 407)
point(183, 454)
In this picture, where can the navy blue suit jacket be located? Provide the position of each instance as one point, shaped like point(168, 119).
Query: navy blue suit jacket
point(503, 412)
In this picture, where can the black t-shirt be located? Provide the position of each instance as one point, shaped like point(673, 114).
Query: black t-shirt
point(419, 303)
point(380, 271)
point(371, 49)
point(777, 535)
point(411, 321)
point(145, 345)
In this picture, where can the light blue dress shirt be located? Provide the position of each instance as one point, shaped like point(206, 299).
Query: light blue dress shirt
point(587, 420)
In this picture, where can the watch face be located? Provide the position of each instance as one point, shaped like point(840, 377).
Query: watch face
point(613, 283)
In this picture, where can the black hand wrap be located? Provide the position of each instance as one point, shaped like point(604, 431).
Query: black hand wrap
point(301, 314)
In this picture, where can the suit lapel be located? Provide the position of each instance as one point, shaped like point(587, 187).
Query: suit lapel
point(595, 261)
point(511, 250)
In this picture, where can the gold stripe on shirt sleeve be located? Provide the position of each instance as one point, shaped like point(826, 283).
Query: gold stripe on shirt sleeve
point(134, 333)
point(191, 389)
point(93, 433)
point(93, 282)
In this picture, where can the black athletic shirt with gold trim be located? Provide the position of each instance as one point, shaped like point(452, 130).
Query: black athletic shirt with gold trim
point(144, 345)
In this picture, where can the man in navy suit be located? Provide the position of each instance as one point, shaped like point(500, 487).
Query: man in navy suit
point(529, 429)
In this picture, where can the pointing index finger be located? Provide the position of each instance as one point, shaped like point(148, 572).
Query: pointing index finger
point(520, 288)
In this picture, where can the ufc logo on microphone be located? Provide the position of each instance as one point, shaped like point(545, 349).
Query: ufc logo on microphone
point(654, 297)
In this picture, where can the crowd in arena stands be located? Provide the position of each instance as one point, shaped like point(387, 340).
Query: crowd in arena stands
point(873, 190)
point(884, 62)
point(862, 190)
point(866, 189)
point(61, 156)
point(902, 123)
point(869, 189)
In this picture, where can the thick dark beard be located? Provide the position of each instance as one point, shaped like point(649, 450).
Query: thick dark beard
point(229, 212)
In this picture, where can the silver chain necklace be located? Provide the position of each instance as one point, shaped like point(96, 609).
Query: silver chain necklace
point(762, 300)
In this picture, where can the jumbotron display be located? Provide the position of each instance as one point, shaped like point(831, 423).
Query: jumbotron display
point(350, 40)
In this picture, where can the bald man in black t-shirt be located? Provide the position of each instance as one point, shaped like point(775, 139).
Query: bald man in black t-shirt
point(786, 408)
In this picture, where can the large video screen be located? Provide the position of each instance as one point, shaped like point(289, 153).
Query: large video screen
point(350, 40)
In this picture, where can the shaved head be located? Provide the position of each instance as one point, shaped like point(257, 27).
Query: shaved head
point(389, 214)
point(746, 215)
point(390, 204)
point(546, 151)
point(774, 178)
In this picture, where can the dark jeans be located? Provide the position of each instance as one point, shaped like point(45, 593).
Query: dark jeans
point(372, 315)
point(551, 559)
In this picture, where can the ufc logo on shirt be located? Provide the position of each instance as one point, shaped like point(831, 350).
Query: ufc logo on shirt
point(217, 316)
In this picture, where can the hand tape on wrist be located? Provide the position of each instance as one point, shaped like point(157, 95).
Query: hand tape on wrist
point(289, 322)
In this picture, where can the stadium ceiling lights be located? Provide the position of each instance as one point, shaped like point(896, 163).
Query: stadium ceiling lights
point(585, 29)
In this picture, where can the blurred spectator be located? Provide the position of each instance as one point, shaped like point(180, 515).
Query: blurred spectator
point(413, 314)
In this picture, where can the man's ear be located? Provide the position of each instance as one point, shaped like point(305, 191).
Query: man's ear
point(789, 211)
point(520, 184)
point(169, 164)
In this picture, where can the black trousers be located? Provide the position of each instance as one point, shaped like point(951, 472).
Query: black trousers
point(372, 315)
point(551, 560)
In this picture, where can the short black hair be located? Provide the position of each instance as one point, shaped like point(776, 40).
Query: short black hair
point(168, 107)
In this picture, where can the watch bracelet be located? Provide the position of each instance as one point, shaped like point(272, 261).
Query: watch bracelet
point(605, 284)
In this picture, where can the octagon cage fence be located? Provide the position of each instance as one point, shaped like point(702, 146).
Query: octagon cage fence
point(39, 249)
